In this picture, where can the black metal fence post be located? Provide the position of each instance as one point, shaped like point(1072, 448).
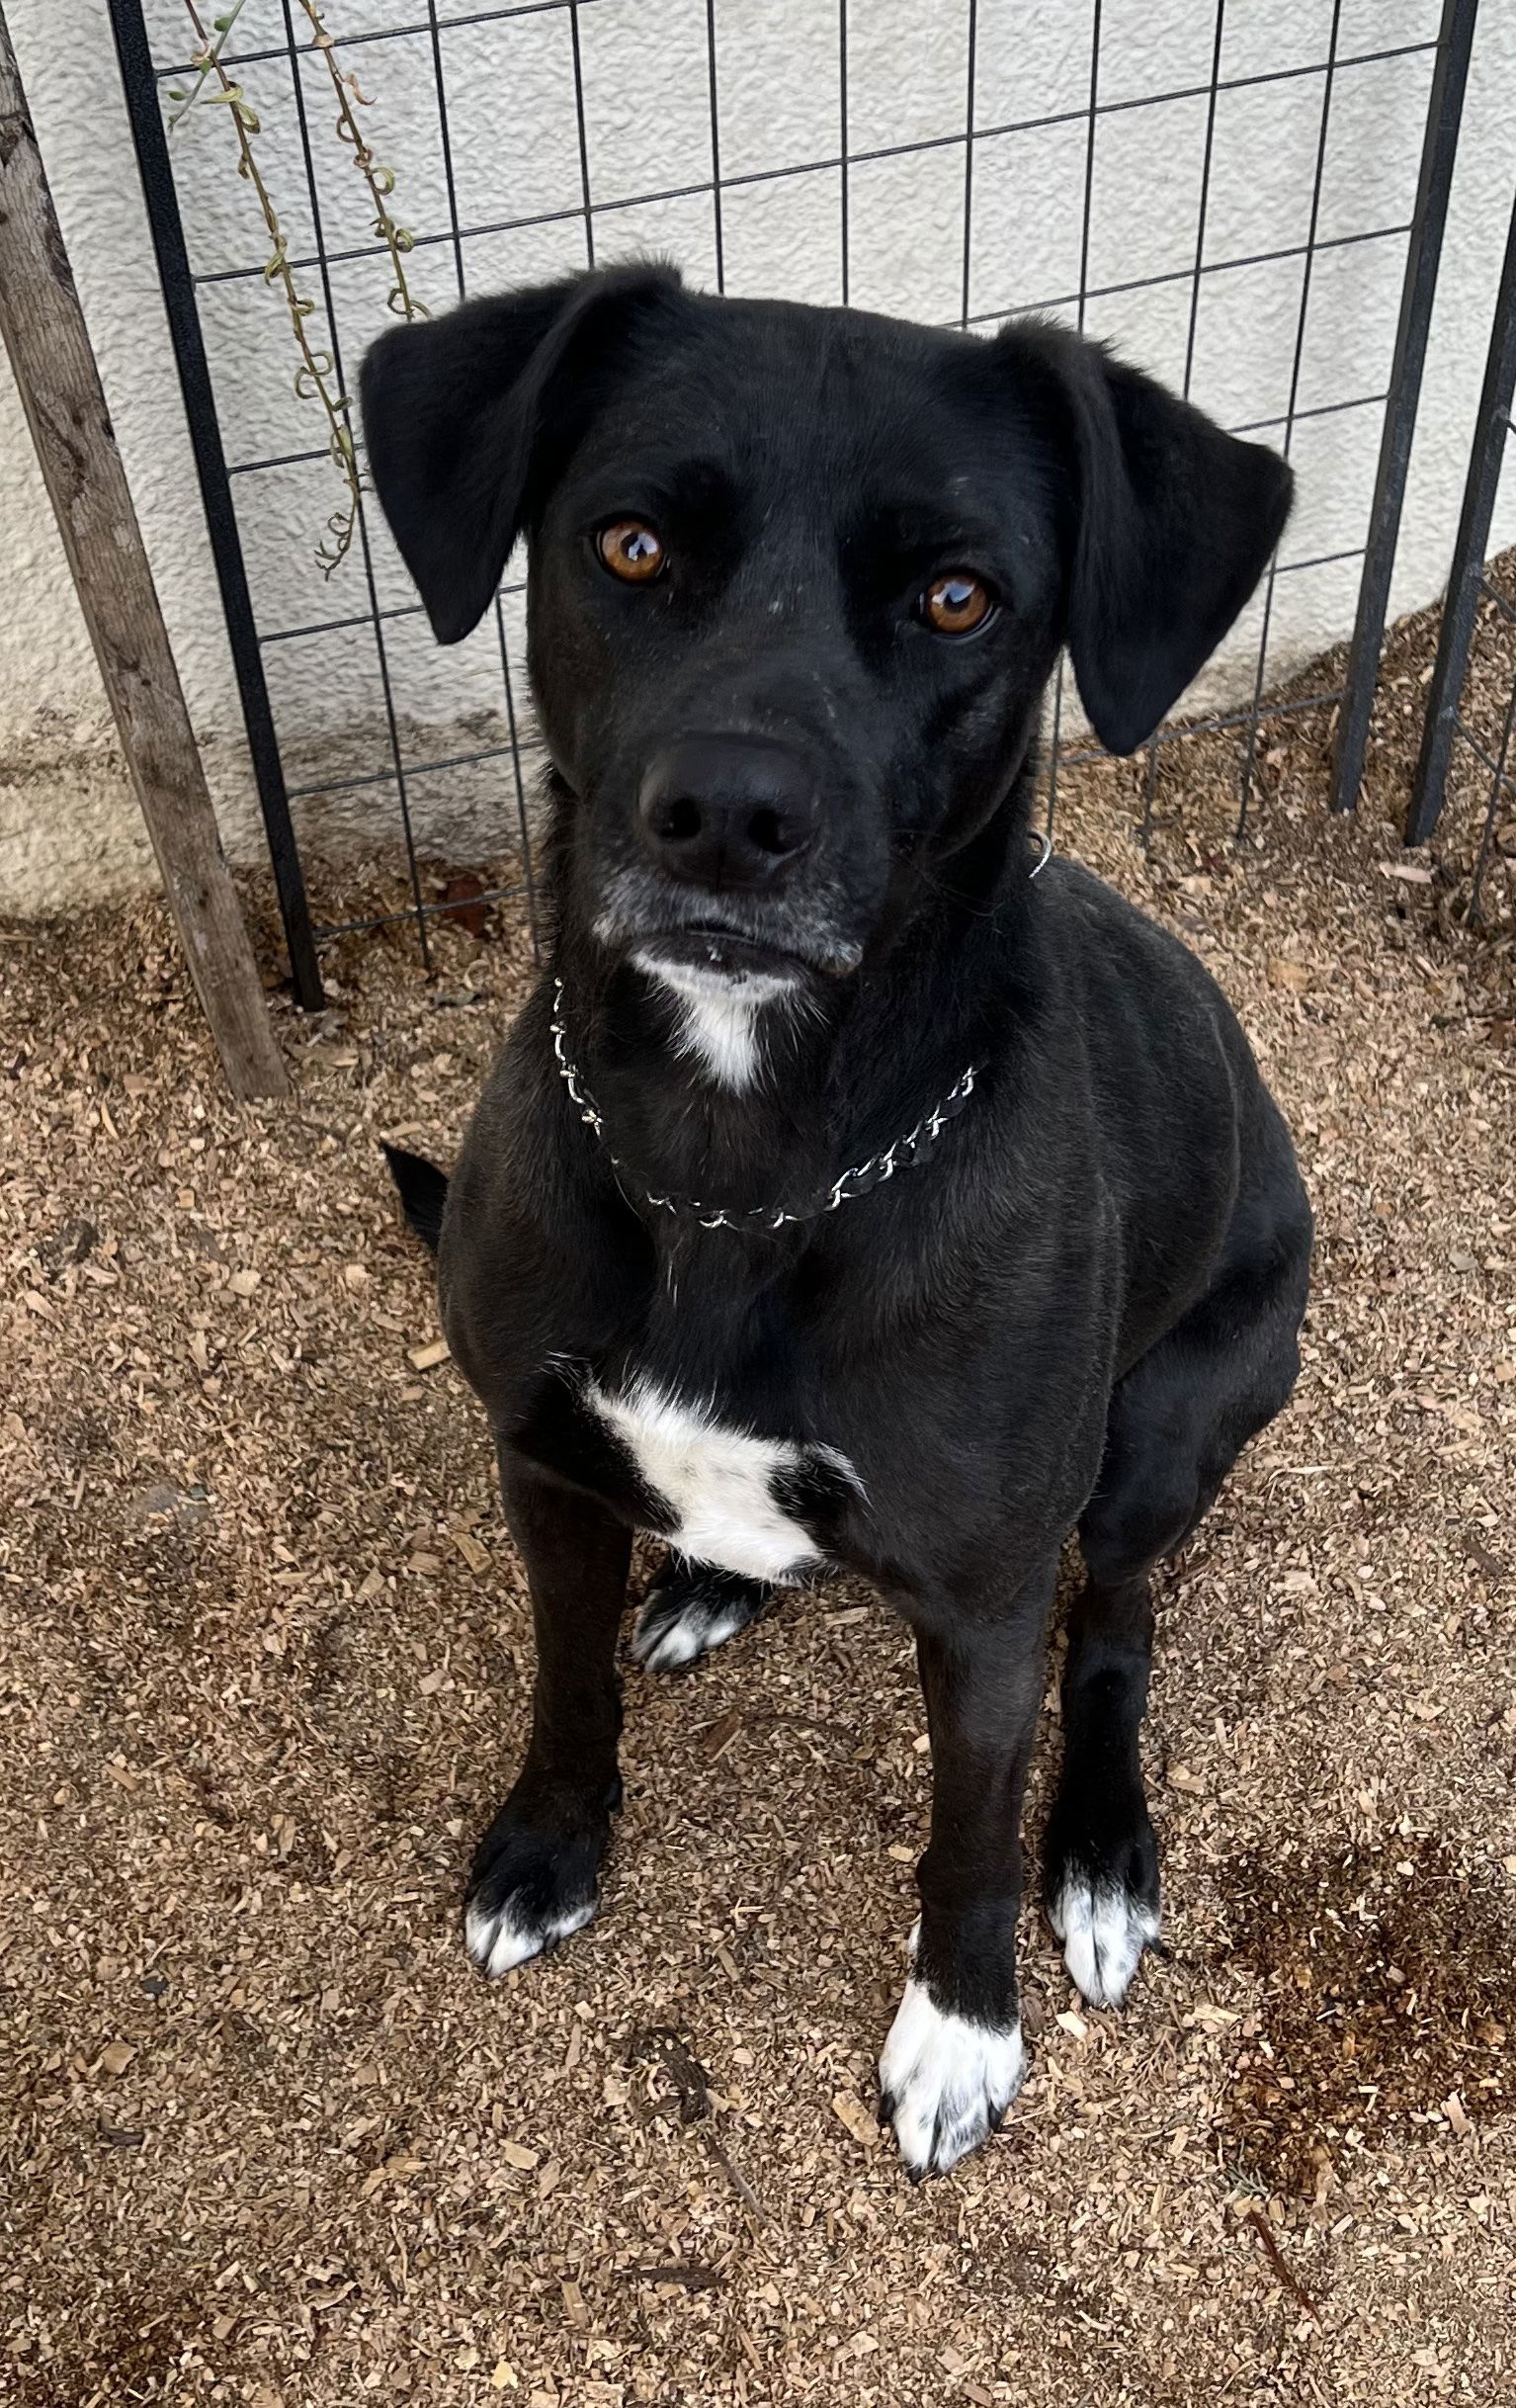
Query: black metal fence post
point(141, 86)
point(1445, 111)
point(1466, 578)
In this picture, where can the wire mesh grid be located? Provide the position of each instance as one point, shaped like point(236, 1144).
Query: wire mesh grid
point(1480, 620)
point(1187, 191)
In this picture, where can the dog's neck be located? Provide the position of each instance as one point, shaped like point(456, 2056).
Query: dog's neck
point(762, 1098)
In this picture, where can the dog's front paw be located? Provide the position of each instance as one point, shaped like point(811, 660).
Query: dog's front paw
point(1103, 1904)
point(527, 1890)
point(689, 1610)
point(945, 2083)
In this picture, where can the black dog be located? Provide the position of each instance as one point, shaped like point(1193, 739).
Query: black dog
point(846, 1194)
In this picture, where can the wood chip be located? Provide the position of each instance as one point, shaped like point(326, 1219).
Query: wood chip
point(856, 2119)
point(427, 1358)
point(718, 1736)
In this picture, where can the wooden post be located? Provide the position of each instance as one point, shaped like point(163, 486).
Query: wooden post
point(65, 407)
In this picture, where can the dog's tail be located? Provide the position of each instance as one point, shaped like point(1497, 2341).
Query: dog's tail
point(423, 1191)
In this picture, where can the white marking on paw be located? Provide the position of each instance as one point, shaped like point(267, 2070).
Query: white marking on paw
point(719, 1015)
point(1104, 1932)
point(499, 1937)
point(666, 1647)
point(945, 2081)
point(717, 1481)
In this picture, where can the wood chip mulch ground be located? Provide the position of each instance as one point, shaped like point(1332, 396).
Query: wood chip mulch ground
point(265, 2136)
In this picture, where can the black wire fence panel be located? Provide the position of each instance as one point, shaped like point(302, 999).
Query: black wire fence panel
point(1246, 196)
point(1471, 721)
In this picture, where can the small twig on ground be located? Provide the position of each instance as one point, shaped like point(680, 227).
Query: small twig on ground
point(661, 2045)
point(739, 2183)
point(1276, 2258)
point(689, 2276)
point(1492, 1565)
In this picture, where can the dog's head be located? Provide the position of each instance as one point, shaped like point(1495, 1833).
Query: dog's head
point(798, 578)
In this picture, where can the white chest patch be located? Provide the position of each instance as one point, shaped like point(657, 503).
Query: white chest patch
point(719, 1016)
point(717, 1481)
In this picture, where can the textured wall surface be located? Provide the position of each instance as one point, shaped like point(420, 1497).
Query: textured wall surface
point(67, 828)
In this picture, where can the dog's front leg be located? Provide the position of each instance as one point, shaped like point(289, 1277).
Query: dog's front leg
point(535, 1874)
point(954, 2059)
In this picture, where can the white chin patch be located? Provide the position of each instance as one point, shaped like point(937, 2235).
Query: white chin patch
point(719, 1015)
point(716, 1482)
point(499, 1939)
point(1104, 1932)
point(661, 1646)
point(945, 2083)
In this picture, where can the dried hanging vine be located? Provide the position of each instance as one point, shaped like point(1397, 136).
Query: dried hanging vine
point(379, 180)
point(316, 378)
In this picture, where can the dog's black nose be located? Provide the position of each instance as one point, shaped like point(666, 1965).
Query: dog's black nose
point(727, 811)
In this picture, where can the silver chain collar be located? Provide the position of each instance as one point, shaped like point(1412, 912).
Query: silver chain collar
point(905, 1153)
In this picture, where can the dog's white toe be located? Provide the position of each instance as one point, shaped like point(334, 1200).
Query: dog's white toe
point(1104, 1930)
point(665, 1642)
point(498, 1937)
point(945, 2081)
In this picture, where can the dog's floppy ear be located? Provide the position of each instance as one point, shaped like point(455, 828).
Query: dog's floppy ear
point(1173, 525)
point(466, 417)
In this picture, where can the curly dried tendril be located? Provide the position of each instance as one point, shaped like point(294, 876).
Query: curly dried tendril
point(347, 93)
point(315, 375)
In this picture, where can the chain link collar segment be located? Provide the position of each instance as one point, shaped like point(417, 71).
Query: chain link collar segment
point(905, 1153)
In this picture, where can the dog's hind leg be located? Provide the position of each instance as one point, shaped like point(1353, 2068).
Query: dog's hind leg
point(1176, 1424)
point(691, 1608)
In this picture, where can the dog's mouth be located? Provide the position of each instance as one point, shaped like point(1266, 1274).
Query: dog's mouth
point(715, 947)
point(793, 939)
point(726, 952)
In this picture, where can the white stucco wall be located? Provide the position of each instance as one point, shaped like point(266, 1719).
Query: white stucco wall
point(67, 827)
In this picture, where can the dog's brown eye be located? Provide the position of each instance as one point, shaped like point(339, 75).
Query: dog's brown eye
point(956, 604)
point(630, 550)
